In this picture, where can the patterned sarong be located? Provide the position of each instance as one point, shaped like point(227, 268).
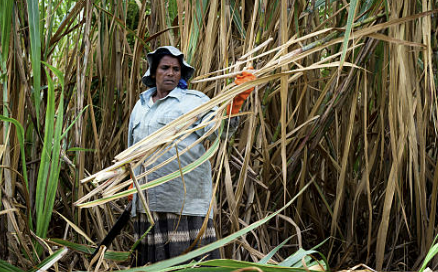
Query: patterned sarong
point(170, 238)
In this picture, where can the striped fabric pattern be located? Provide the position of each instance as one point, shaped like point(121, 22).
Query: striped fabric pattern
point(170, 237)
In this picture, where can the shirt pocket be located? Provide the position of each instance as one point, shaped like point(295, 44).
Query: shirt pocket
point(164, 120)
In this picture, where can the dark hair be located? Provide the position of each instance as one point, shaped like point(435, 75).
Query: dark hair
point(157, 58)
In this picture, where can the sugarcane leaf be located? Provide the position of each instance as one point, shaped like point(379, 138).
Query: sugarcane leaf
point(172, 11)
point(20, 136)
point(80, 149)
point(49, 261)
point(73, 122)
point(272, 252)
point(433, 251)
point(206, 269)
point(233, 265)
point(48, 174)
point(118, 256)
point(200, 10)
point(55, 160)
point(242, 264)
point(57, 72)
point(43, 173)
point(234, 10)
point(49, 30)
point(5, 266)
point(367, 5)
point(318, 4)
point(295, 258)
point(6, 11)
point(348, 29)
point(76, 228)
point(35, 44)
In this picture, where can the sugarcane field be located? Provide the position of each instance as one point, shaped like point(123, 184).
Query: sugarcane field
point(218, 135)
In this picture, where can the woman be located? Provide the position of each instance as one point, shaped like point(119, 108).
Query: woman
point(178, 210)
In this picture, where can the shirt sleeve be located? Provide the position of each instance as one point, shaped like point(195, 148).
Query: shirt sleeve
point(130, 142)
point(131, 121)
point(231, 124)
point(130, 136)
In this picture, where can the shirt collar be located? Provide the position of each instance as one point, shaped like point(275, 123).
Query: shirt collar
point(178, 93)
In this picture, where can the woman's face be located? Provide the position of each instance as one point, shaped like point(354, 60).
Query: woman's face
point(168, 74)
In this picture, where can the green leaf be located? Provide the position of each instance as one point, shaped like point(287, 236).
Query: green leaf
point(206, 269)
point(49, 30)
point(35, 45)
point(430, 254)
point(366, 6)
point(201, 6)
point(318, 4)
point(348, 28)
point(74, 121)
point(241, 264)
point(272, 253)
point(5, 266)
point(6, 11)
point(20, 135)
point(43, 173)
point(80, 149)
point(57, 72)
point(110, 255)
point(172, 10)
point(225, 265)
point(234, 10)
point(48, 174)
point(295, 259)
point(49, 261)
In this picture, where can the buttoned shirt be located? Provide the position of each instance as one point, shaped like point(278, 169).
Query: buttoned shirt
point(146, 118)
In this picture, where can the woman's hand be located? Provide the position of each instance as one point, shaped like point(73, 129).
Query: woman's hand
point(131, 195)
point(245, 76)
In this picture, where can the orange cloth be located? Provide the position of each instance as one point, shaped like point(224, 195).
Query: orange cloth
point(240, 98)
point(131, 195)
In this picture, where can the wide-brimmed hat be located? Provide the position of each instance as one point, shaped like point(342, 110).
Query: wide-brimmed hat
point(186, 70)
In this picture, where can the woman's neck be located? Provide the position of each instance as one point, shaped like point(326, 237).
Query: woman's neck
point(159, 94)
